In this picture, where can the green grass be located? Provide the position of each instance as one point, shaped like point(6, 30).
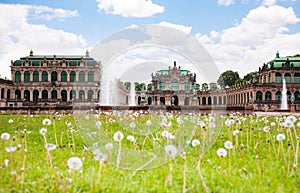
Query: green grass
point(258, 163)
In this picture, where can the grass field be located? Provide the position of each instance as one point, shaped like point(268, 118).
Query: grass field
point(139, 152)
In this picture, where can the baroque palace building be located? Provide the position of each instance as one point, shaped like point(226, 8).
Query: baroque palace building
point(50, 80)
point(59, 81)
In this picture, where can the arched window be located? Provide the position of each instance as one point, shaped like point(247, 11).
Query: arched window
point(26, 76)
point(174, 85)
point(296, 78)
point(53, 94)
point(287, 77)
point(187, 86)
point(90, 95)
point(27, 95)
point(63, 76)
point(162, 100)
point(259, 95)
point(268, 96)
point(44, 94)
point(209, 100)
point(127, 100)
point(72, 95)
point(149, 100)
point(36, 76)
point(203, 100)
point(81, 95)
point(54, 76)
point(186, 101)
point(278, 95)
point(8, 94)
point(18, 94)
point(278, 77)
point(162, 85)
point(44, 76)
point(220, 100)
point(224, 100)
point(18, 76)
point(288, 93)
point(297, 95)
point(91, 76)
point(63, 95)
point(215, 100)
point(35, 95)
point(81, 76)
point(2, 93)
point(72, 76)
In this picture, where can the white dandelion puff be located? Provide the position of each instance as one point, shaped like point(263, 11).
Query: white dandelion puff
point(171, 150)
point(10, 121)
point(221, 152)
point(228, 145)
point(109, 146)
point(130, 138)
point(46, 122)
point(74, 163)
point(43, 131)
point(118, 136)
point(195, 142)
point(280, 137)
point(50, 146)
point(5, 136)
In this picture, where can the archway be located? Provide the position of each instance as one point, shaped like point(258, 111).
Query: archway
point(174, 100)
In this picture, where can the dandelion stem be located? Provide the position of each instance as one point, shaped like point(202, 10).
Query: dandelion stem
point(119, 155)
point(184, 175)
point(201, 176)
point(143, 166)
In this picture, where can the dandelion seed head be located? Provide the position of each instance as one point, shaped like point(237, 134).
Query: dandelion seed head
point(221, 152)
point(109, 146)
point(5, 136)
point(10, 121)
point(46, 122)
point(236, 132)
point(280, 137)
point(171, 150)
point(74, 163)
point(195, 142)
point(130, 138)
point(50, 147)
point(228, 145)
point(118, 136)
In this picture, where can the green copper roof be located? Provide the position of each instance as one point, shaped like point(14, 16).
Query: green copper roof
point(277, 62)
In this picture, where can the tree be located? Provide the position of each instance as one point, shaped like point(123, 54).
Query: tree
point(213, 86)
point(228, 78)
point(249, 76)
point(204, 87)
point(149, 87)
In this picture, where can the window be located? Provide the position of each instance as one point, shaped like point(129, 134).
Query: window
point(63, 76)
point(18, 76)
point(64, 95)
point(278, 95)
point(187, 86)
point(90, 95)
point(27, 95)
point(297, 78)
point(26, 76)
point(44, 76)
point(44, 94)
point(36, 76)
point(258, 95)
point(81, 95)
point(91, 76)
point(81, 76)
point(72, 95)
point(18, 94)
point(72, 76)
point(278, 77)
point(162, 85)
point(268, 95)
point(174, 85)
point(53, 94)
point(35, 95)
point(54, 76)
point(287, 78)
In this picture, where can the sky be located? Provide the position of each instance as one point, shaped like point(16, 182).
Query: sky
point(239, 35)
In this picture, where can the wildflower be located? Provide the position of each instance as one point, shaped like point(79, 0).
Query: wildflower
point(236, 132)
point(118, 136)
point(6, 161)
point(19, 146)
point(195, 142)
point(98, 124)
point(50, 146)
point(288, 123)
point(228, 145)
point(74, 163)
point(273, 124)
point(291, 118)
point(132, 125)
point(266, 129)
point(43, 131)
point(171, 150)
point(165, 134)
point(130, 138)
point(10, 149)
point(148, 123)
point(5, 136)
point(99, 156)
point(280, 137)
point(109, 146)
point(10, 121)
point(222, 152)
point(46, 122)
point(298, 124)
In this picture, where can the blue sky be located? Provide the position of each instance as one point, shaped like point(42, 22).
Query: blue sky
point(239, 34)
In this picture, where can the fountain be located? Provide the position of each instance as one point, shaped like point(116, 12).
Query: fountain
point(132, 94)
point(284, 103)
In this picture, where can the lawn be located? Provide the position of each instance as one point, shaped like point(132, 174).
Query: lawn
point(148, 152)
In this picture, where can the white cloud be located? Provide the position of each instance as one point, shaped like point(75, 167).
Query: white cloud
point(48, 13)
point(225, 2)
point(185, 29)
point(268, 2)
point(130, 8)
point(255, 40)
point(18, 36)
